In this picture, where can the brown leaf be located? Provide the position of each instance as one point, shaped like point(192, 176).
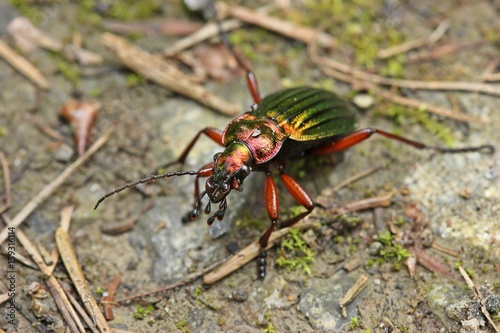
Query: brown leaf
point(81, 115)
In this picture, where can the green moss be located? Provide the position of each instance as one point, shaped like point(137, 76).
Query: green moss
point(394, 66)
point(141, 313)
point(198, 291)
point(295, 253)
point(181, 324)
point(86, 14)
point(391, 251)
point(295, 211)
point(354, 322)
point(27, 8)
point(405, 329)
point(221, 321)
point(99, 291)
point(269, 329)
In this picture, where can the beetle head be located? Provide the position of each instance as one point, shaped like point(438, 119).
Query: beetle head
point(230, 169)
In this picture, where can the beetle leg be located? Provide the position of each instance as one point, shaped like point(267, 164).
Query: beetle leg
point(363, 134)
point(272, 208)
point(252, 83)
point(300, 195)
point(204, 171)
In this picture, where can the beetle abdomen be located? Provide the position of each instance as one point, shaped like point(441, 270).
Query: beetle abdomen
point(307, 114)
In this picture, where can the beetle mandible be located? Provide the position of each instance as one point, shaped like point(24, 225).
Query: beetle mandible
point(288, 123)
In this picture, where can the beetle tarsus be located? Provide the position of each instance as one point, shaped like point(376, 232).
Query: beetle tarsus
point(208, 208)
point(261, 264)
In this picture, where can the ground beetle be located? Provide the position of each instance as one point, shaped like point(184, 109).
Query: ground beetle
point(289, 123)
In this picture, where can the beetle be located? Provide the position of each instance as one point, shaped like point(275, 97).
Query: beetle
point(289, 123)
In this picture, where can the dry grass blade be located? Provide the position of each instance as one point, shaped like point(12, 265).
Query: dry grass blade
point(6, 176)
point(64, 305)
point(81, 311)
point(60, 298)
point(357, 177)
point(158, 70)
point(70, 261)
point(411, 84)
point(22, 65)
point(52, 186)
point(66, 213)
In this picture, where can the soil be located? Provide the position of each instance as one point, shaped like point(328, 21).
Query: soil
point(453, 199)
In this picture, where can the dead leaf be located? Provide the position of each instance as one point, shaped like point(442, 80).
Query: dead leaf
point(81, 115)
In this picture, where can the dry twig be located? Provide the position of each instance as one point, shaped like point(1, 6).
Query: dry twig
point(158, 70)
point(357, 177)
point(207, 31)
point(28, 37)
point(385, 94)
point(113, 287)
point(188, 279)
point(414, 44)
point(22, 65)
point(352, 293)
point(285, 28)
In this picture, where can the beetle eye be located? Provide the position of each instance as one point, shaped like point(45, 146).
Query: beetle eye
point(245, 170)
point(216, 157)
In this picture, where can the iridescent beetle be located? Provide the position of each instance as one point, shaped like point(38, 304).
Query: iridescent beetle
point(285, 124)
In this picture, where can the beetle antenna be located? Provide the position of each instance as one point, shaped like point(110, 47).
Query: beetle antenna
point(145, 180)
point(252, 83)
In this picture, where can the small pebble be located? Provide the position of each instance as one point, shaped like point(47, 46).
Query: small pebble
point(363, 101)
point(64, 153)
point(239, 295)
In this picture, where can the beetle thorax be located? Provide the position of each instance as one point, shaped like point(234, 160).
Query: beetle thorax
point(231, 167)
